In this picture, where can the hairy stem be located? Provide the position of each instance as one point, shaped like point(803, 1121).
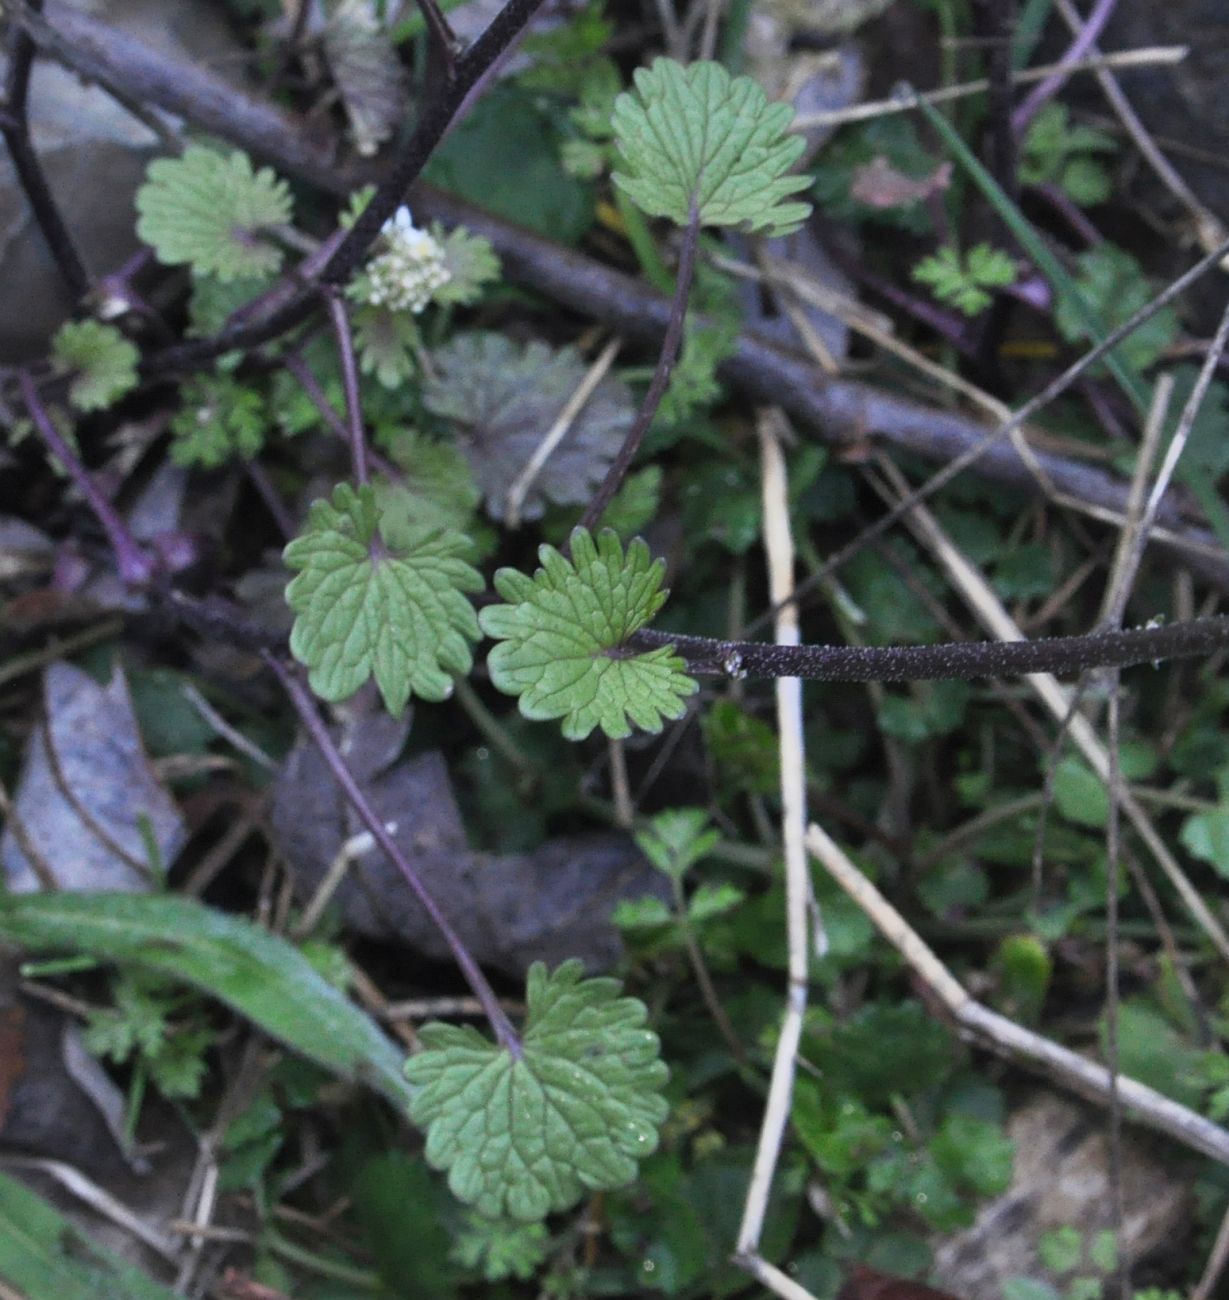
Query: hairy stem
point(960, 659)
point(305, 707)
point(661, 376)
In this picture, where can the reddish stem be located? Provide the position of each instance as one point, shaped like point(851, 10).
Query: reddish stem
point(305, 707)
point(135, 566)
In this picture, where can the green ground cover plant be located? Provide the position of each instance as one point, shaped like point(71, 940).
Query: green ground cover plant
point(482, 543)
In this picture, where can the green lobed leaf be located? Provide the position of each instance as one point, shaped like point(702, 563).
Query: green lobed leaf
point(963, 281)
point(676, 839)
point(103, 362)
point(562, 632)
point(212, 210)
point(471, 261)
point(526, 1136)
point(695, 132)
point(257, 973)
point(386, 341)
point(219, 419)
point(365, 607)
point(1114, 288)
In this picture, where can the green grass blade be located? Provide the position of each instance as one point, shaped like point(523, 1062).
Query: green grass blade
point(44, 1256)
point(261, 976)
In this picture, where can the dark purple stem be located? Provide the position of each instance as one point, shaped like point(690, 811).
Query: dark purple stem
point(340, 320)
point(305, 707)
point(328, 413)
point(1044, 91)
point(15, 127)
point(960, 659)
point(1071, 213)
point(999, 17)
point(135, 567)
point(259, 479)
point(442, 43)
point(661, 376)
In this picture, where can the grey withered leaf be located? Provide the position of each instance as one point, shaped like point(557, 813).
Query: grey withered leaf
point(89, 810)
point(502, 398)
point(509, 910)
point(367, 71)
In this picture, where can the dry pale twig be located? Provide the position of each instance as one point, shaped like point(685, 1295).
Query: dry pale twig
point(780, 547)
point(558, 431)
point(1216, 1263)
point(990, 611)
point(1209, 231)
point(99, 1200)
point(1004, 1036)
point(1159, 55)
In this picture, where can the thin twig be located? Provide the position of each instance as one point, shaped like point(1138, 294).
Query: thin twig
point(1003, 1036)
point(558, 431)
point(15, 126)
point(1209, 230)
point(1113, 854)
point(661, 376)
point(1186, 422)
point(135, 567)
point(620, 789)
point(339, 318)
point(779, 545)
point(1081, 48)
point(1216, 1263)
point(305, 707)
point(1156, 56)
point(98, 1198)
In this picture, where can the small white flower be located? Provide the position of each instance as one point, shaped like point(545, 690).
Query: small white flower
point(407, 270)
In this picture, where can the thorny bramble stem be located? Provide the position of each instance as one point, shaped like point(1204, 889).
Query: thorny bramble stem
point(135, 567)
point(305, 707)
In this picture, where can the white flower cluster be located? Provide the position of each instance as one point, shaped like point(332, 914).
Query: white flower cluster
point(409, 269)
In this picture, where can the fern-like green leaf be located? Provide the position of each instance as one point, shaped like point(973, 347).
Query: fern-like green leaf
point(102, 361)
point(386, 341)
point(212, 211)
point(471, 262)
point(695, 132)
point(562, 638)
point(525, 1136)
point(365, 607)
point(220, 419)
point(965, 282)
